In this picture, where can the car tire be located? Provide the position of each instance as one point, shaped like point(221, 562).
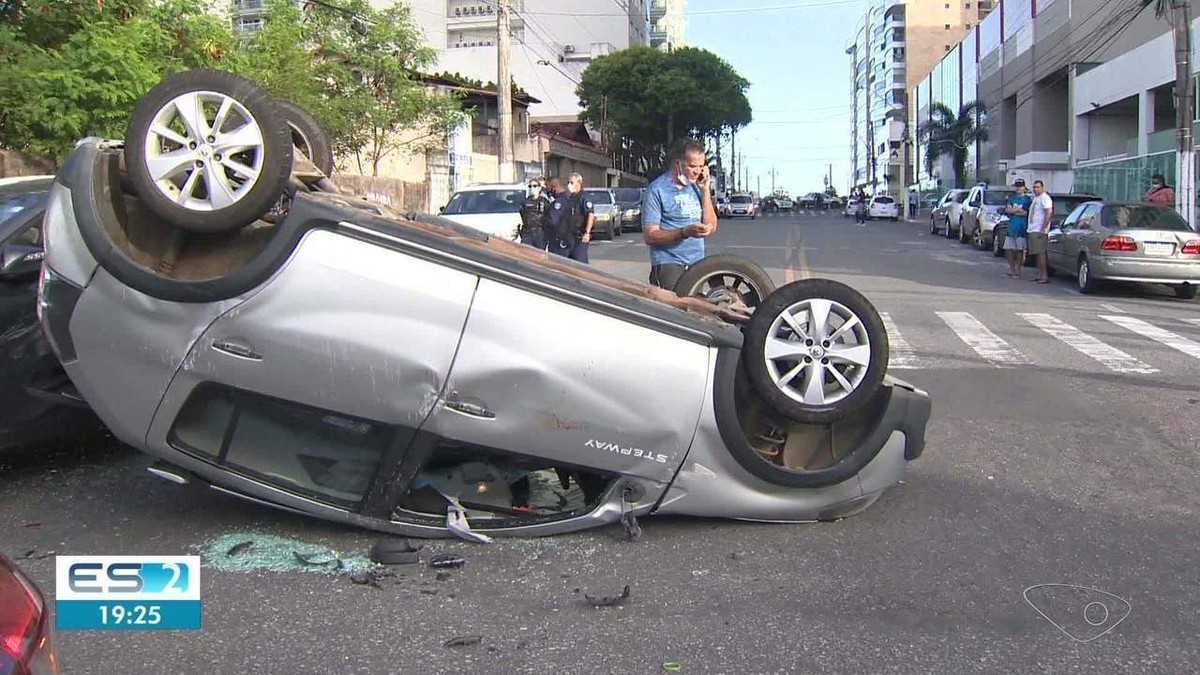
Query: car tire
point(308, 135)
point(949, 232)
point(730, 271)
point(933, 228)
point(977, 240)
point(1185, 291)
point(782, 340)
point(998, 244)
point(1083, 276)
point(267, 150)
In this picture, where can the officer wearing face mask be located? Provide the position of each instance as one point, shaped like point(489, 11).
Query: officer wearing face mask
point(572, 217)
point(533, 211)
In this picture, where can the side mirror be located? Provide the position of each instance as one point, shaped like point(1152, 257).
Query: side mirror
point(441, 209)
point(20, 260)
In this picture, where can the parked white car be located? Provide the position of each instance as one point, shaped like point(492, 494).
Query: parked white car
point(494, 208)
point(947, 212)
point(882, 206)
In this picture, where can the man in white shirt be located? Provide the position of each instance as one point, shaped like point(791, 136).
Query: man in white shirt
point(1041, 211)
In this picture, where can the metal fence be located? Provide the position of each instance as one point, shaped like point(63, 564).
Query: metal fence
point(1125, 179)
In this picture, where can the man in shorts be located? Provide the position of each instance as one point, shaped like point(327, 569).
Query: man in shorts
point(1041, 212)
point(1018, 226)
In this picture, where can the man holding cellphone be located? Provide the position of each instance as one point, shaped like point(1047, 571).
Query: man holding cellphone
point(678, 214)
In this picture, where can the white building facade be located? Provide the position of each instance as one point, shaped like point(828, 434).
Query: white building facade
point(666, 24)
point(553, 42)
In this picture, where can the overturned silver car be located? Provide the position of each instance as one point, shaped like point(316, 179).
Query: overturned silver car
point(326, 355)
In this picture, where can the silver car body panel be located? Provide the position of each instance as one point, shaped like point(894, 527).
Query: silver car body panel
point(72, 259)
point(528, 361)
point(341, 327)
point(125, 365)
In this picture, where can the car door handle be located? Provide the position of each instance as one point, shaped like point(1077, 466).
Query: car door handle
point(470, 407)
point(238, 348)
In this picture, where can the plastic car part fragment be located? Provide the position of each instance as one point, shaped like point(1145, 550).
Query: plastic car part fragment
point(447, 561)
point(608, 600)
point(456, 522)
point(395, 553)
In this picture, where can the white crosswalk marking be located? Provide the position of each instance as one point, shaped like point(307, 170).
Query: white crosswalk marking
point(1194, 322)
point(1112, 358)
point(902, 355)
point(985, 343)
point(1166, 337)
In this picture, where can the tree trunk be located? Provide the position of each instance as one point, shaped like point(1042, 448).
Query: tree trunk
point(670, 130)
point(960, 166)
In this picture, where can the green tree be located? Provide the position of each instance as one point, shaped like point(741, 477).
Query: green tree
point(948, 133)
point(76, 68)
point(649, 98)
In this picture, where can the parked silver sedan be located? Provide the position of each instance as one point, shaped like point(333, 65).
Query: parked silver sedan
point(947, 210)
point(1131, 242)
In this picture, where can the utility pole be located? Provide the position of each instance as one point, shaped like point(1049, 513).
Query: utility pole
point(1185, 160)
point(504, 91)
point(772, 180)
point(733, 161)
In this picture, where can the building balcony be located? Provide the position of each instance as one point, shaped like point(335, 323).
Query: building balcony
point(247, 6)
point(658, 33)
point(658, 9)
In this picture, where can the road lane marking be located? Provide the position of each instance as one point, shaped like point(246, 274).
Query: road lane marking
point(985, 343)
point(1110, 357)
point(1166, 337)
point(1112, 308)
point(789, 274)
point(1194, 322)
point(902, 356)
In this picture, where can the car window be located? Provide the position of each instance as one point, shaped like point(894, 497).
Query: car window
point(1143, 217)
point(485, 201)
point(13, 204)
point(994, 197)
point(884, 200)
point(599, 196)
point(974, 198)
point(1087, 216)
point(739, 199)
point(1064, 206)
point(960, 197)
point(628, 194)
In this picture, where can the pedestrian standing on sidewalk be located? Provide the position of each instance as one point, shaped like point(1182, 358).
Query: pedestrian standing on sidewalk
point(678, 214)
point(1160, 192)
point(571, 220)
point(1018, 227)
point(1041, 212)
point(860, 210)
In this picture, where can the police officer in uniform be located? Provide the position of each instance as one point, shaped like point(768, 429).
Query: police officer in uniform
point(533, 213)
point(572, 217)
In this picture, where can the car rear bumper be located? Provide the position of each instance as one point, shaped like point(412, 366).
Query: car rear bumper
point(1145, 270)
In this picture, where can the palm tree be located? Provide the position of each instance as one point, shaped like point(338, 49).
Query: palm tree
point(949, 133)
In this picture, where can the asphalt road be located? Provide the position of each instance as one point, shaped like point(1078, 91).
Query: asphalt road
point(1052, 458)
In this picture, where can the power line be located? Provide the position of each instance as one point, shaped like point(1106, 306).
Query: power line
point(710, 12)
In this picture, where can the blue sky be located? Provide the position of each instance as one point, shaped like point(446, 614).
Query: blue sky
point(799, 84)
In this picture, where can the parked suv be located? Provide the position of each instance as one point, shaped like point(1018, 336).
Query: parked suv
point(982, 210)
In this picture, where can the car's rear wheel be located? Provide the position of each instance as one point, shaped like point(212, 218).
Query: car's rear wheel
point(208, 151)
point(308, 135)
point(1083, 275)
point(977, 239)
point(816, 350)
point(933, 228)
point(727, 279)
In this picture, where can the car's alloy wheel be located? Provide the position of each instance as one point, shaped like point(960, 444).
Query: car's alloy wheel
point(726, 279)
point(816, 350)
point(977, 239)
point(308, 135)
point(208, 151)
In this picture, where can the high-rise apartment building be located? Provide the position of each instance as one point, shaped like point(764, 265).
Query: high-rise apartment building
point(666, 24)
point(894, 47)
point(553, 42)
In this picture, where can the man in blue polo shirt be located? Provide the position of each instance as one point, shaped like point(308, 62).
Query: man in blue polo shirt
point(678, 214)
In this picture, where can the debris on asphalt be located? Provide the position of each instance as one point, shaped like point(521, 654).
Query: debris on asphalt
point(325, 557)
point(429, 591)
point(463, 641)
point(389, 552)
point(672, 667)
point(277, 554)
point(607, 600)
point(33, 524)
point(34, 554)
point(239, 547)
point(443, 576)
point(365, 578)
point(447, 561)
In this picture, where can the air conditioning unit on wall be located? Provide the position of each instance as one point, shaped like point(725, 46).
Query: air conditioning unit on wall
point(568, 49)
